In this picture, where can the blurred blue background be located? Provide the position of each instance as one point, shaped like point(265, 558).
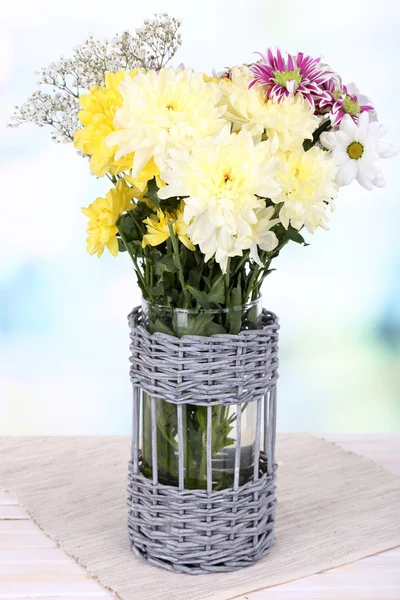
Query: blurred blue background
point(63, 328)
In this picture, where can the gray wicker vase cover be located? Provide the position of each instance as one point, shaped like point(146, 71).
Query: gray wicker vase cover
point(204, 530)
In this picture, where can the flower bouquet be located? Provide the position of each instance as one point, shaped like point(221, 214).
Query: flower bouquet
point(211, 176)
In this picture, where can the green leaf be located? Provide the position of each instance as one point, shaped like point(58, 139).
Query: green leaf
point(296, 236)
point(183, 254)
point(121, 245)
point(195, 277)
point(174, 297)
point(159, 267)
point(170, 264)
point(152, 193)
point(325, 126)
point(199, 325)
point(237, 295)
point(216, 295)
point(200, 297)
point(168, 282)
point(158, 326)
point(215, 328)
point(207, 282)
point(202, 417)
point(134, 246)
point(156, 290)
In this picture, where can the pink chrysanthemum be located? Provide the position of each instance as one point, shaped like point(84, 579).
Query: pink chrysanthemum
point(344, 100)
point(299, 73)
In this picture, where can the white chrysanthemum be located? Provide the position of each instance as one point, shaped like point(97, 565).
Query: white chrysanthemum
point(357, 149)
point(262, 237)
point(245, 108)
point(292, 120)
point(224, 181)
point(164, 110)
point(308, 186)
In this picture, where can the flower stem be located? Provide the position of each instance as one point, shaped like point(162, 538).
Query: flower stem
point(241, 262)
point(252, 279)
point(140, 277)
point(178, 262)
point(227, 283)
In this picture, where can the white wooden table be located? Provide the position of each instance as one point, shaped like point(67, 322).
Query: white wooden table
point(32, 566)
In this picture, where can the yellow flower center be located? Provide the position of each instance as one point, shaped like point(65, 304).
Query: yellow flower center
point(355, 150)
point(227, 177)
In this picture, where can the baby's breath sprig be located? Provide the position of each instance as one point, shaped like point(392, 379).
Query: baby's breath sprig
point(152, 47)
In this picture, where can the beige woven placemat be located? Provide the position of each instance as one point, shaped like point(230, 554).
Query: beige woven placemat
point(334, 507)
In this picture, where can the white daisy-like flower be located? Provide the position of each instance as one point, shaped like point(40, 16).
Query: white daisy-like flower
point(292, 120)
point(307, 180)
point(223, 181)
point(357, 149)
point(170, 109)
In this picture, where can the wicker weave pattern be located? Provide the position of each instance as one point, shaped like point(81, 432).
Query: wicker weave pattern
point(203, 531)
point(193, 532)
point(220, 369)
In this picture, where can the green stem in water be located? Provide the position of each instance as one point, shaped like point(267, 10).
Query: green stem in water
point(227, 283)
point(203, 462)
point(178, 262)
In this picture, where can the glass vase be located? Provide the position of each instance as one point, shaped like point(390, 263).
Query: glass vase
point(180, 322)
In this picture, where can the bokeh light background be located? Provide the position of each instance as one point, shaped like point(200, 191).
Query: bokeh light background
point(63, 329)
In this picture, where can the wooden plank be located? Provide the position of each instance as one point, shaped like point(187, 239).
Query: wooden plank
point(342, 581)
point(86, 596)
point(6, 498)
point(42, 571)
point(10, 511)
point(356, 581)
point(34, 589)
point(18, 526)
point(32, 555)
point(26, 540)
point(278, 593)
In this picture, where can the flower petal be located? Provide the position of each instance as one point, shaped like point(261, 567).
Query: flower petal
point(347, 173)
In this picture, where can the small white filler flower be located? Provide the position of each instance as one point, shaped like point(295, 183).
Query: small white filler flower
point(357, 149)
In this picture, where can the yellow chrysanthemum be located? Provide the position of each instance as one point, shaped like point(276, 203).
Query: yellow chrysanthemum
point(99, 108)
point(140, 183)
point(158, 230)
point(103, 215)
